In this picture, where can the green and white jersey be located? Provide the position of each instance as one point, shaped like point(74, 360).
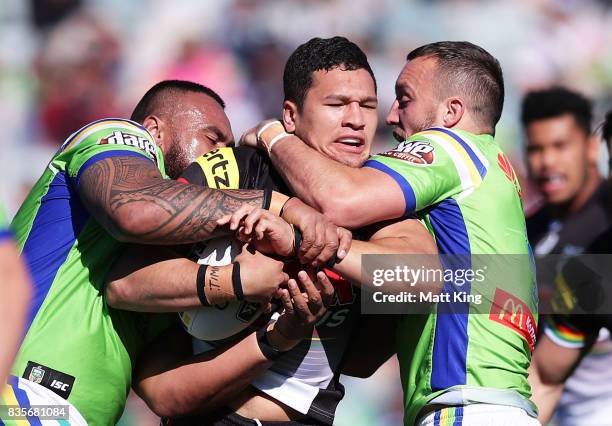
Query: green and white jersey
point(75, 344)
point(464, 189)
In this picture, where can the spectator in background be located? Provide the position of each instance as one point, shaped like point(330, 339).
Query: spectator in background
point(76, 71)
point(562, 160)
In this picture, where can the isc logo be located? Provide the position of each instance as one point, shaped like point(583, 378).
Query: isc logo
point(56, 384)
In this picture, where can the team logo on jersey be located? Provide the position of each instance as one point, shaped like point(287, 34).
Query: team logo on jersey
point(416, 152)
point(506, 167)
point(512, 312)
point(122, 138)
point(36, 375)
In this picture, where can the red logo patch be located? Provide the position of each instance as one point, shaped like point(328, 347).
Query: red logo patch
point(512, 312)
point(343, 288)
point(417, 152)
point(506, 167)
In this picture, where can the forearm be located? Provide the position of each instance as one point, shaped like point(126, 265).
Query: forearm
point(350, 267)
point(416, 251)
point(154, 280)
point(129, 198)
point(544, 395)
point(205, 382)
point(14, 302)
point(342, 193)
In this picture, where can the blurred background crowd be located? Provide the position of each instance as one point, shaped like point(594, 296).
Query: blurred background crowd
point(64, 63)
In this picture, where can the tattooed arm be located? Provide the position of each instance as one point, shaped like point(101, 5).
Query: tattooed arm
point(131, 200)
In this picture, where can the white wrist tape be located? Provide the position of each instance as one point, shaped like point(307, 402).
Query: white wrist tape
point(275, 139)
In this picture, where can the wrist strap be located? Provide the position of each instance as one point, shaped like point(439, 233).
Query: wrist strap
point(267, 199)
point(200, 285)
point(297, 240)
point(265, 347)
point(237, 282)
point(282, 210)
point(331, 262)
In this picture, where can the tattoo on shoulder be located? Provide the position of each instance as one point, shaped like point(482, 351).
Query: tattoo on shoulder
point(185, 213)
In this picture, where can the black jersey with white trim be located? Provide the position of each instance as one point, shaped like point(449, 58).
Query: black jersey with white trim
point(307, 377)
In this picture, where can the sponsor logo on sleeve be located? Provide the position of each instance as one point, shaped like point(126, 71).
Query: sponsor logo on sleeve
point(220, 168)
point(127, 139)
point(513, 313)
point(506, 167)
point(420, 153)
point(56, 381)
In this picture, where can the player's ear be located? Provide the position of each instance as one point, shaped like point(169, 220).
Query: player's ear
point(593, 149)
point(453, 111)
point(155, 126)
point(290, 112)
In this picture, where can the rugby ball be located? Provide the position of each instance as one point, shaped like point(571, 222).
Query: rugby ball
point(219, 321)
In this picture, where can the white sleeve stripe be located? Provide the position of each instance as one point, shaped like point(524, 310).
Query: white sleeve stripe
point(467, 184)
point(562, 342)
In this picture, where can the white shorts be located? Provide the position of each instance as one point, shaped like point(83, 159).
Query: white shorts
point(31, 396)
point(479, 415)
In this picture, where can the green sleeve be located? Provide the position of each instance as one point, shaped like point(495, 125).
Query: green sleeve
point(428, 168)
point(108, 138)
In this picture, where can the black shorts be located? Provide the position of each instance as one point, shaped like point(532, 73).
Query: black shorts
point(233, 419)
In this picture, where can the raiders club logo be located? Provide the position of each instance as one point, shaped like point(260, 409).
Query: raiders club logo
point(420, 153)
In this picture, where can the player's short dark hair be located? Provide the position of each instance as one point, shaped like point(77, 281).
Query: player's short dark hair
point(320, 54)
point(150, 101)
point(606, 130)
point(554, 102)
point(466, 69)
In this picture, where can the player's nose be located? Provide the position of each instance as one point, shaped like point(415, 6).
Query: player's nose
point(354, 116)
point(393, 115)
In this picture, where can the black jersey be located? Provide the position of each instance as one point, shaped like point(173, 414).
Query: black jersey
point(307, 377)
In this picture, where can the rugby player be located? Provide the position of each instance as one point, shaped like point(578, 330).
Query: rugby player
point(562, 159)
point(455, 366)
point(14, 297)
point(105, 187)
point(568, 339)
point(330, 98)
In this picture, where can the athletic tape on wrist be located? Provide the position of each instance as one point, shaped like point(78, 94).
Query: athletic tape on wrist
point(269, 351)
point(265, 127)
point(237, 282)
point(200, 285)
point(276, 139)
